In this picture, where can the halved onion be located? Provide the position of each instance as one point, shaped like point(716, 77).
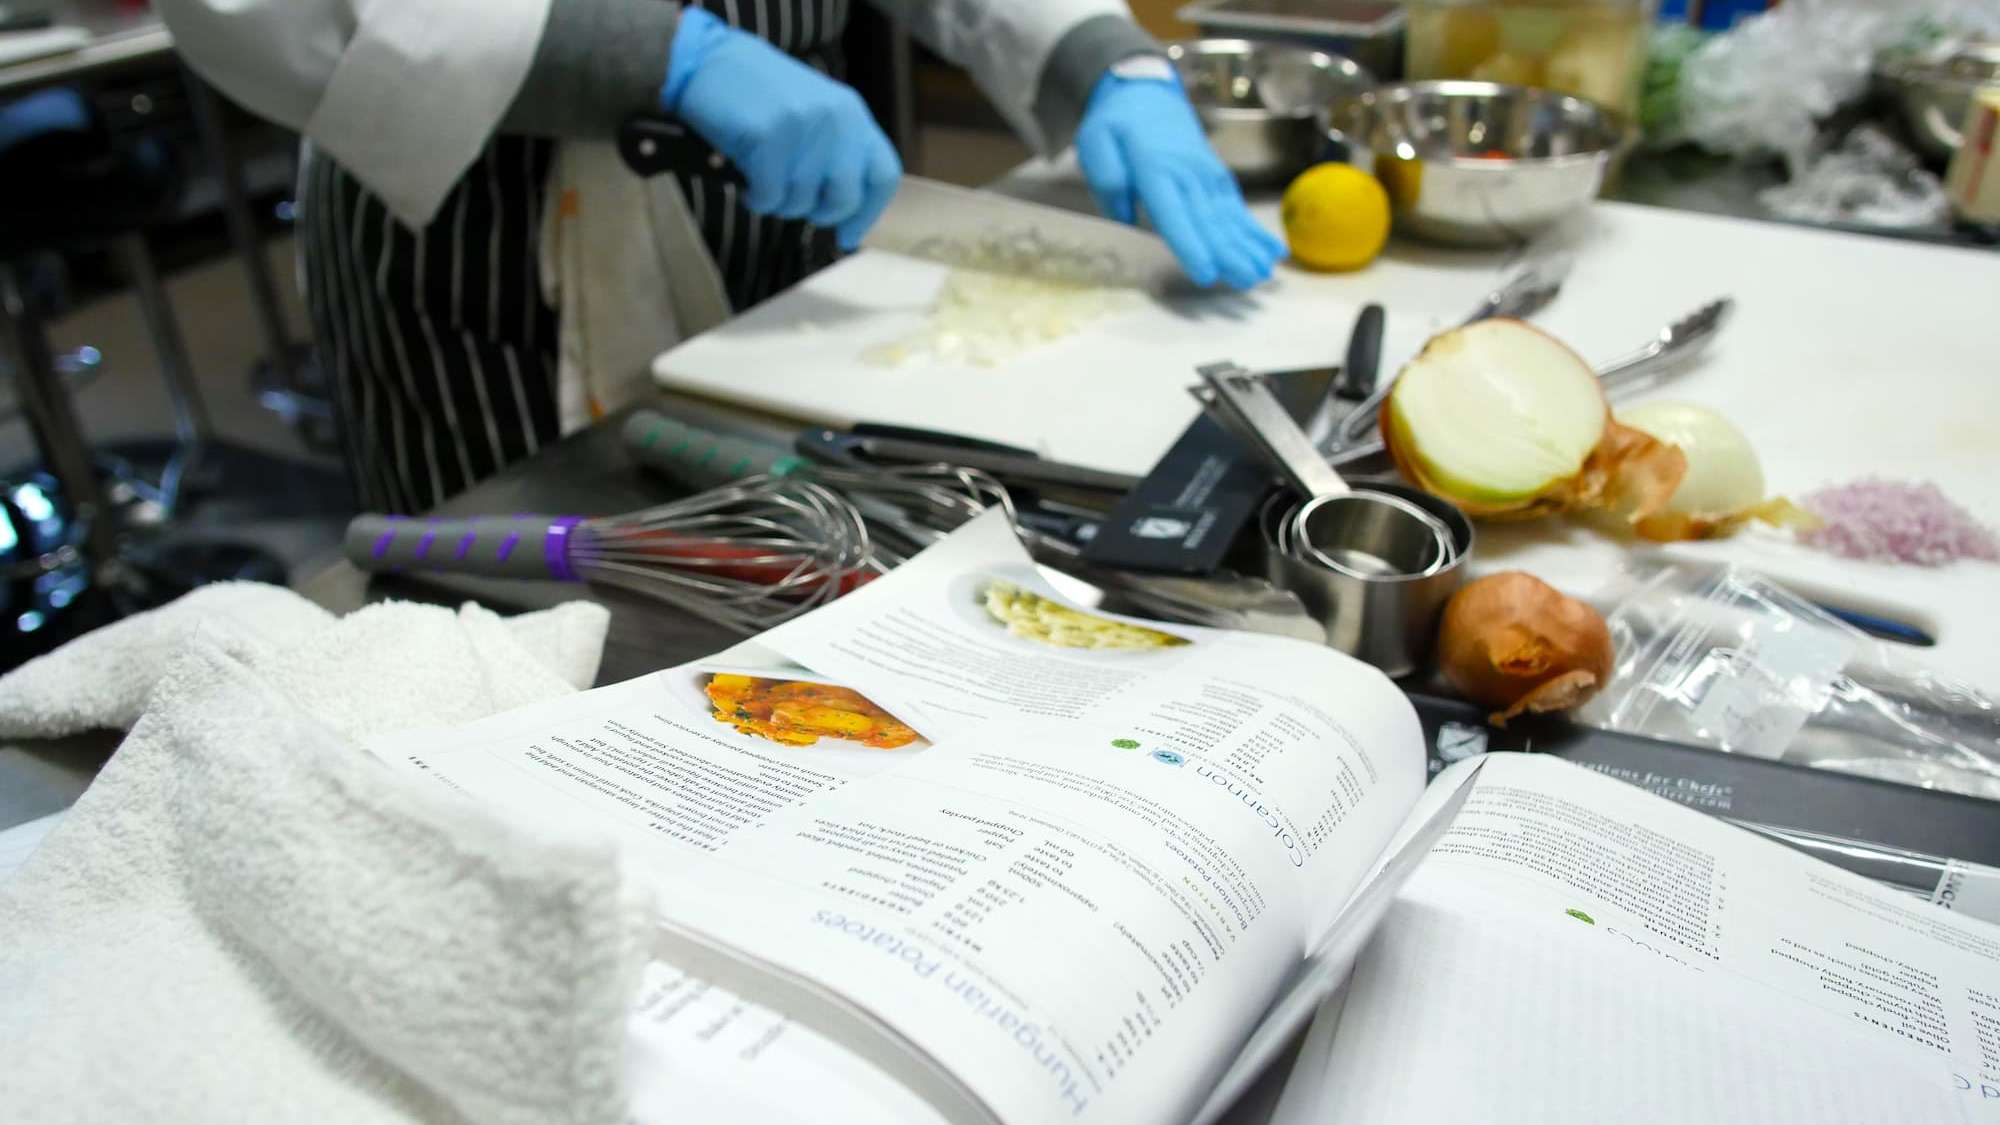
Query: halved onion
point(1506, 421)
point(1724, 485)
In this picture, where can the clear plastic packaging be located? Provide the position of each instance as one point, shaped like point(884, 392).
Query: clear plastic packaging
point(1869, 179)
point(1727, 659)
point(1766, 84)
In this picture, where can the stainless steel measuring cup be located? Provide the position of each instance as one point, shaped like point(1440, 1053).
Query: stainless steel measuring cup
point(1388, 621)
point(1373, 564)
point(1362, 532)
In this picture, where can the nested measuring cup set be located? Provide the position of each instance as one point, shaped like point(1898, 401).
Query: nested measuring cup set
point(1373, 561)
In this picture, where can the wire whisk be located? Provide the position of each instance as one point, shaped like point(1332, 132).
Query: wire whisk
point(747, 555)
point(906, 507)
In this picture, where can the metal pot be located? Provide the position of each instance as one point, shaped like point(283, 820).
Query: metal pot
point(1264, 104)
point(1479, 163)
point(1933, 91)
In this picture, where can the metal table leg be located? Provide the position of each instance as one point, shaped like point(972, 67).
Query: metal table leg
point(192, 428)
point(287, 381)
point(242, 225)
point(52, 419)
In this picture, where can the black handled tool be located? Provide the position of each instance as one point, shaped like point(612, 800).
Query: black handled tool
point(652, 144)
point(882, 445)
point(1364, 354)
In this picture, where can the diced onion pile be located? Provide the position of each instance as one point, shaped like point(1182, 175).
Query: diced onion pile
point(1895, 521)
point(984, 319)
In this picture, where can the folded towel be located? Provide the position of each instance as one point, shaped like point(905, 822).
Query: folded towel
point(624, 265)
point(101, 681)
point(247, 918)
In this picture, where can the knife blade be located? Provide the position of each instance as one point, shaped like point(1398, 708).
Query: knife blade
point(953, 225)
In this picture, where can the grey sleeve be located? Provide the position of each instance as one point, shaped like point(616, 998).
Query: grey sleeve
point(598, 61)
point(1074, 67)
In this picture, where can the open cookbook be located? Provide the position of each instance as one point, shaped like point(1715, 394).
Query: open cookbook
point(952, 849)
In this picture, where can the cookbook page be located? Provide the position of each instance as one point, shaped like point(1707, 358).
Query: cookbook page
point(697, 1052)
point(969, 635)
point(1073, 919)
point(1686, 910)
point(1507, 1018)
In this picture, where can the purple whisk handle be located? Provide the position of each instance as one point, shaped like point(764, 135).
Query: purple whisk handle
point(492, 546)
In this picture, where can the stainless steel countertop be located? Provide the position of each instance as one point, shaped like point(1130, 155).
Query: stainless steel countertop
point(120, 36)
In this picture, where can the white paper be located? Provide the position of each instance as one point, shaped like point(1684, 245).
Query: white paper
point(1502, 1018)
point(699, 1053)
point(1074, 889)
point(1704, 974)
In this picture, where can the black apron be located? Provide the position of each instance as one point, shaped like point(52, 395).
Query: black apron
point(442, 351)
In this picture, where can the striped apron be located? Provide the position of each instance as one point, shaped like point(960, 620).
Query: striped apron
point(442, 351)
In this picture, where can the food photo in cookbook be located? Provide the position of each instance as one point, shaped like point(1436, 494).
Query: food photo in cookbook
point(1016, 604)
point(789, 709)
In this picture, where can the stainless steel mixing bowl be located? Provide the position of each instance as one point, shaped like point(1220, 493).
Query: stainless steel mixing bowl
point(1264, 104)
point(1933, 90)
point(1479, 163)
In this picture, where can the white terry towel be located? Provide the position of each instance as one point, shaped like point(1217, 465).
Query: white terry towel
point(247, 918)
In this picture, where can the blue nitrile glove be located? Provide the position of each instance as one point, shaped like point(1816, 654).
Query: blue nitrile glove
point(1141, 145)
point(807, 144)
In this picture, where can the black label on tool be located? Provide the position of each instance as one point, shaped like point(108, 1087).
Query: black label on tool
point(1186, 514)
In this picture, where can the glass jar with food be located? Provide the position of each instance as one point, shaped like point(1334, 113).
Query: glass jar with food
point(1593, 49)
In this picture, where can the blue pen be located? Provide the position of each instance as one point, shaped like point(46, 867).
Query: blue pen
point(1885, 628)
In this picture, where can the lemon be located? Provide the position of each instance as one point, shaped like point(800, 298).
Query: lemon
point(1336, 217)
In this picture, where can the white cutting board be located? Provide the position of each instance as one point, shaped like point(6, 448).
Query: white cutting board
point(1848, 356)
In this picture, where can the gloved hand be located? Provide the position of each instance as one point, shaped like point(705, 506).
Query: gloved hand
point(806, 143)
point(1141, 145)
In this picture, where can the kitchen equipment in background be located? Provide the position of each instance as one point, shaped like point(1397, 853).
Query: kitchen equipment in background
point(1390, 623)
point(1479, 163)
point(1368, 31)
point(1593, 49)
point(1638, 370)
point(1526, 291)
point(1264, 104)
point(1643, 368)
point(1973, 182)
point(1933, 90)
point(746, 556)
point(953, 225)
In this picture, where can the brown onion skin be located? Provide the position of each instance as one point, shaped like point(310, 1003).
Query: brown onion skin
point(1515, 643)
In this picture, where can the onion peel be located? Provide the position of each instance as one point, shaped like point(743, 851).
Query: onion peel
point(1778, 512)
point(1723, 488)
point(1630, 471)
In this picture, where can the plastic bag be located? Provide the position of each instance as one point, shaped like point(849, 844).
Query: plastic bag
point(1728, 660)
point(1766, 84)
point(1869, 179)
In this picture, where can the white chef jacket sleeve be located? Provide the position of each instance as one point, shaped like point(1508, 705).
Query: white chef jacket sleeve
point(403, 93)
point(1036, 60)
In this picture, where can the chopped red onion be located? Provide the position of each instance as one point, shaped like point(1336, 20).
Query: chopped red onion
point(1893, 521)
